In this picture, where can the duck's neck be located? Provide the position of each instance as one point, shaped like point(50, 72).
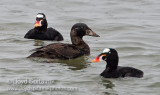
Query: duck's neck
point(79, 43)
point(110, 67)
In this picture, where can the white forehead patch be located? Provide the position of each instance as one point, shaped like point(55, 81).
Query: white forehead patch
point(40, 16)
point(106, 50)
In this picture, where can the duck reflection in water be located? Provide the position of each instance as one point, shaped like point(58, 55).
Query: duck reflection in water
point(73, 64)
point(108, 86)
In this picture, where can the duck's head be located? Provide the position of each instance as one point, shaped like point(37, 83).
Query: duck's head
point(81, 29)
point(41, 21)
point(109, 55)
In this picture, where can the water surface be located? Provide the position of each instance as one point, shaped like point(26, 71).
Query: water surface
point(130, 26)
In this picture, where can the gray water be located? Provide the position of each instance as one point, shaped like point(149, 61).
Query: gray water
point(130, 26)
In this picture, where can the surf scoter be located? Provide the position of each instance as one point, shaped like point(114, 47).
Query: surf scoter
point(112, 69)
point(41, 32)
point(68, 51)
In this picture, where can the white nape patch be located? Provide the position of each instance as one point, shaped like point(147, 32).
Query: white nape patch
point(40, 16)
point(106, 50)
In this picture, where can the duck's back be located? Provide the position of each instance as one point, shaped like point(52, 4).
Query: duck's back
point(53, 34)
point(129, 72)
point(58, 51)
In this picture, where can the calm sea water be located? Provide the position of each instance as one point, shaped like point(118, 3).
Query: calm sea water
point(132, 27)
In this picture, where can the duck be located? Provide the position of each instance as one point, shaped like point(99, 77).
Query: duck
point(41, 32)
point(112, 69)
point(65, 51)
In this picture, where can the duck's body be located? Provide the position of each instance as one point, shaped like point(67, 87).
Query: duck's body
point(49, 34)
point(41, 32)
point(60, 51)
point(112, 69)
point(67, 51)
point(122, 72)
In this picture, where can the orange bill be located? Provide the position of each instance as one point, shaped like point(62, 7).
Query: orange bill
point(96, 59)
point(37, 24)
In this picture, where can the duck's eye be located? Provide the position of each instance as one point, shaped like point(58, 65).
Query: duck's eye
point(104, 57)
point(101, 58)
point(87, 32)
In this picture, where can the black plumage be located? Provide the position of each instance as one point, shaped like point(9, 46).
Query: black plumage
point(68, 51)
point(41, 32)
point(112, 69)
